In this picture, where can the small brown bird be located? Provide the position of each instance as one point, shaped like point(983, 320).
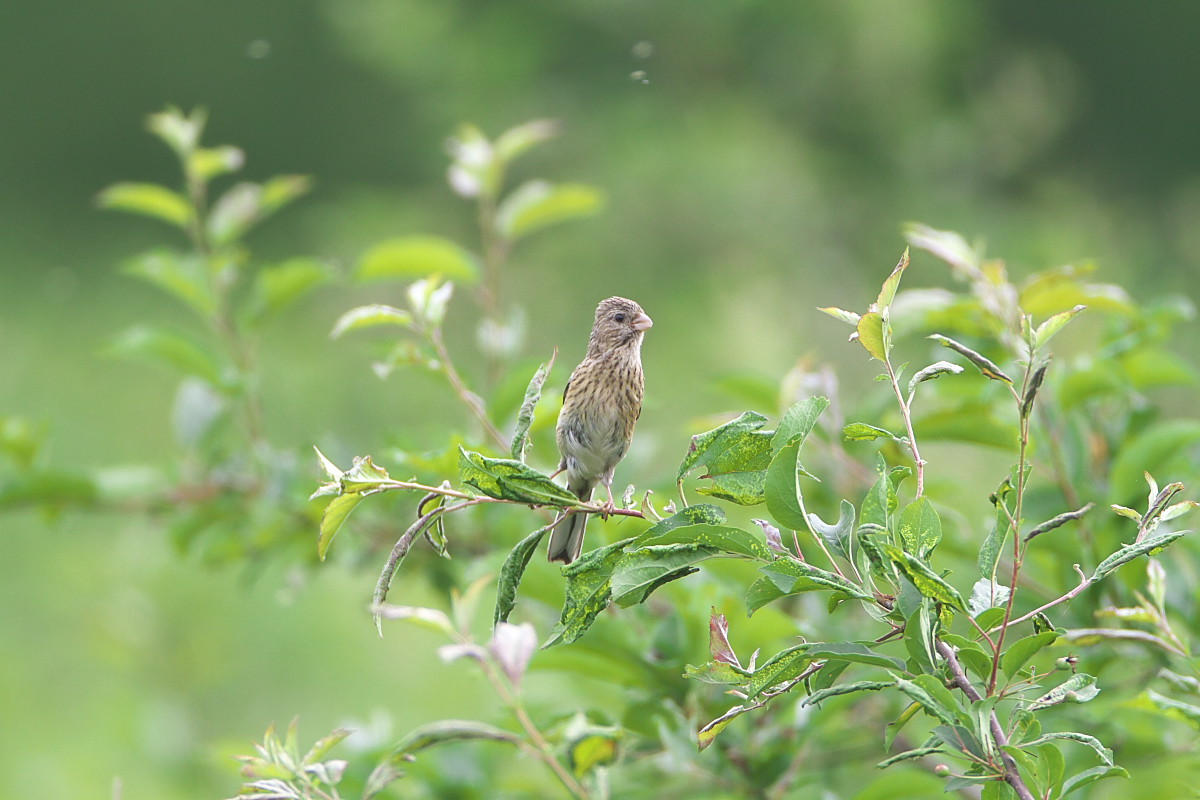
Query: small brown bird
point(601, 403)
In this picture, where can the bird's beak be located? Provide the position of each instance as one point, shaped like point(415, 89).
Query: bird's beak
point(641, 322)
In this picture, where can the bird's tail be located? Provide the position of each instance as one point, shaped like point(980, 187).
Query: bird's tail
point(566, 540)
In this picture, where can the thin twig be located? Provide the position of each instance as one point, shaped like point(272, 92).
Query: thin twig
point(469, 398)
point(906, 414)
point(543, 750)
point(1084, 583)
point(1015, 526)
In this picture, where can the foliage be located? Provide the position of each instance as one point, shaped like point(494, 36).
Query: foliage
point(956, 641)
point(965, 660)
point(233, 493)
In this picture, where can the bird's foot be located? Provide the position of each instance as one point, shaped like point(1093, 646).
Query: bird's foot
point(607, 508)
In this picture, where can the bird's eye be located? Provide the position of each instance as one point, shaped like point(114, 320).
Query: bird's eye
point(619, 316)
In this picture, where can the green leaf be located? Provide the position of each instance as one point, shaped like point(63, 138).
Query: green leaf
point(981, 362)
point(928, 582)
point(588, 590)
point(1106, 755)
point(746, 487)
point(845, 688)
point(989, 551)
point(964, 740)
point(173, 349)
point(505, 479)
point(737, 455)
point(206, 163)
point(887, 292)
point(1078, 688)
point(537, 204)
point(1058, 521)
point(709, 732)
point(848, 317)
point(323, 745)
point(409, 257)
point(364, 476)
point(935, 370)
point(909, 755)
point(235, 212)
point(920, 527)
point(946, 245)
point(594, 746)
point(919, 629)
point(971, 654)
point(331, 521)
point(1151, 545)
point(533, 393)
point(148, 199)
point(853, 652)
point(798, 422)
point(1090, 776)
point(180, 131)
point(1024, 649)
point(452, 730)
point(517, 140)
point(762, 592)
point(724, 538)
point(784, 666)
point(511, 573)
point(862, 432)
point(182, 277)
point(933, 697)
point(1047, 330)
point(879, 502)
point(369, 316)
point(718, 673)
point(639, 572)
point(1058, 290)
point(280, 190)
point(699, 514)
point(990, 618)
point(712, 443)
point(870, 335)
point(277, 287)
point(837, 536)
point(787, 577)
point(785, 499)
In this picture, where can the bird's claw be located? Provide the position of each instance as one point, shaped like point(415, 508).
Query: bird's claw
point(607, 508)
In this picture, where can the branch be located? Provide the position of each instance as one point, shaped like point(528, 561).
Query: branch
point(906, 414)
point(1012, 776)
point(1084, 583)
point(588, 507)
point(469, 398)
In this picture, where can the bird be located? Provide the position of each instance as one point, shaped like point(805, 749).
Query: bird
point(601, 403)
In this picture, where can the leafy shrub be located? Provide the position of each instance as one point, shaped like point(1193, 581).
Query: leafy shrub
point(850, 551)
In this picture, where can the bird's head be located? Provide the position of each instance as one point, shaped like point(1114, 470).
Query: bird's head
point(619, 323)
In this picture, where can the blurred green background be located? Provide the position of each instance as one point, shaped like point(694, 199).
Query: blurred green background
point(759, 159)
